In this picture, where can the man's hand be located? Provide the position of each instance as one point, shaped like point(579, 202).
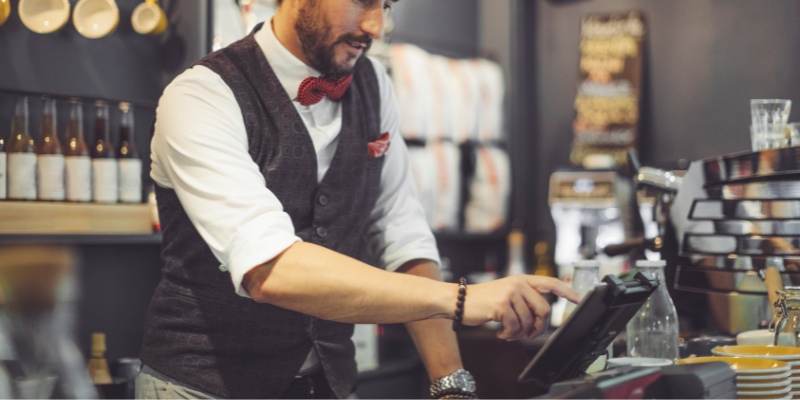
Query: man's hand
point(516, 302)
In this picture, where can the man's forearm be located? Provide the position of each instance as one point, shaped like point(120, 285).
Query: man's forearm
point(435, 340)
point(316, 281)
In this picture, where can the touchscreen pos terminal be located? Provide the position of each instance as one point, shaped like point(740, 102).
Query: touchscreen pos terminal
point(603, 313)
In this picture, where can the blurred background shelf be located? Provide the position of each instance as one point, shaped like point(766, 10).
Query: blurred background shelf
point(82, 239)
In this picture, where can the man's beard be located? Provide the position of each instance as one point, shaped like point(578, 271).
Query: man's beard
point(314, 33)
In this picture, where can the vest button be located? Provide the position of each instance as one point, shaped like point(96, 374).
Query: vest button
point(322, 232)
point(323, 200)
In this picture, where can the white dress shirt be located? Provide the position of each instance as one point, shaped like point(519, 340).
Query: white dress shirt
point(200, 150)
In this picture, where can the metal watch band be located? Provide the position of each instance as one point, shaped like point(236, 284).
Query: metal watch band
point(461, 380)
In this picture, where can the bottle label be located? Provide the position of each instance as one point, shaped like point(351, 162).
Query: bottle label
point(79, 178)
point(105, 180)
point(130, 180)
point(51, 177)
point(3, 178)
point(22, 176)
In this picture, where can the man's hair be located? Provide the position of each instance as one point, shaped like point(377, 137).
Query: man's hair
point(279, 2)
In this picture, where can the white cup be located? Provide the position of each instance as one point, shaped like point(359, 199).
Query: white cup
point(95, 18)
point(149, 19)
point(44, 16)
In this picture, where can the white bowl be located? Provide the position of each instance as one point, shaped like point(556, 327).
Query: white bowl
point(95, 18)
point(44, 16)
point(638, 362)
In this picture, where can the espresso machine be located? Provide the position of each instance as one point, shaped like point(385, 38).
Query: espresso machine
point(591, 210)
point(734, 216)
point(587, 216)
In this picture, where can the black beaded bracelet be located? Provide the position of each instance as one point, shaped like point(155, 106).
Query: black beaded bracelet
point(462, 294)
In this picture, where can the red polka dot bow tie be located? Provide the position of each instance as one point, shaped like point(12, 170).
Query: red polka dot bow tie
point(312, 90)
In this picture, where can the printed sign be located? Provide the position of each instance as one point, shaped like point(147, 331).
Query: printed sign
point(609, 86)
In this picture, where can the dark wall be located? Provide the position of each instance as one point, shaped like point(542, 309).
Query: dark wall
point(704, 61)
point(446, 27)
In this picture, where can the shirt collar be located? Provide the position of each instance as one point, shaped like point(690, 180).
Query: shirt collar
point(289, 69)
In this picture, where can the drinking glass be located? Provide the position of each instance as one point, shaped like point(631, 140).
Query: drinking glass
point(793, 134)
point(769, 118)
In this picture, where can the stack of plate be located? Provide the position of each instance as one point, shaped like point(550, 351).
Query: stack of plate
point(756, 378)
point(790, 355)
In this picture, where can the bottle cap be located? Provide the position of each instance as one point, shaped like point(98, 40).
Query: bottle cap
point(648, 263)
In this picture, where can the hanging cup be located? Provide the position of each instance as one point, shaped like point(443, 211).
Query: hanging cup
point(5, 10)
point(41, 16)
point(149, 19)
point(95, 18)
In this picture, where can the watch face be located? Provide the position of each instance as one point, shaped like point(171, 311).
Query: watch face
point(464, 381)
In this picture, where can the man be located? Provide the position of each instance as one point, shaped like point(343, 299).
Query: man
point(275, 160)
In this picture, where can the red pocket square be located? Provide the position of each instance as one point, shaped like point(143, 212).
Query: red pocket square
point(379, 147)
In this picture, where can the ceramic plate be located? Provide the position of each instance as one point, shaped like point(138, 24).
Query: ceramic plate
point(744, 365)
point(771, 352)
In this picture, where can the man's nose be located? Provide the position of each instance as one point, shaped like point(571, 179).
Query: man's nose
point(373, 22)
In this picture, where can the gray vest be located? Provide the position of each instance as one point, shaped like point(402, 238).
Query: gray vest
point(198, 330)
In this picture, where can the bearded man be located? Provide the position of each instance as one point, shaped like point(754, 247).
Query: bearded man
point(277, 160)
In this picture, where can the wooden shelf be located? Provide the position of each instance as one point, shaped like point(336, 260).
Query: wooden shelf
point(49, 218)
point(78, 239)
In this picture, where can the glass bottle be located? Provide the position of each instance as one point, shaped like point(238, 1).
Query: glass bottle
point(3, 163)
point(653, 331)
point(77, 157)
point(21, 156)
point(130, 165)
point(49, 156)
point(586, 275)
point(105, 177)
point(516, 262)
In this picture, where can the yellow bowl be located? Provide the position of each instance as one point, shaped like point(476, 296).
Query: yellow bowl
point(771, 352)
point(743, 364)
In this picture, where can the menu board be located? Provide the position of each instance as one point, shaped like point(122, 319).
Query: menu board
point(609, 86)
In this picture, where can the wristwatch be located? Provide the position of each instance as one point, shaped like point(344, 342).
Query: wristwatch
point(460, 380)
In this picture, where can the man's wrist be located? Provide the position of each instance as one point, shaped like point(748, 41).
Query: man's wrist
point(459, 383)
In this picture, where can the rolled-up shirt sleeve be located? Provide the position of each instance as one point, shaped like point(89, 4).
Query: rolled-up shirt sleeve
point(398, 231)
point(200, 150)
